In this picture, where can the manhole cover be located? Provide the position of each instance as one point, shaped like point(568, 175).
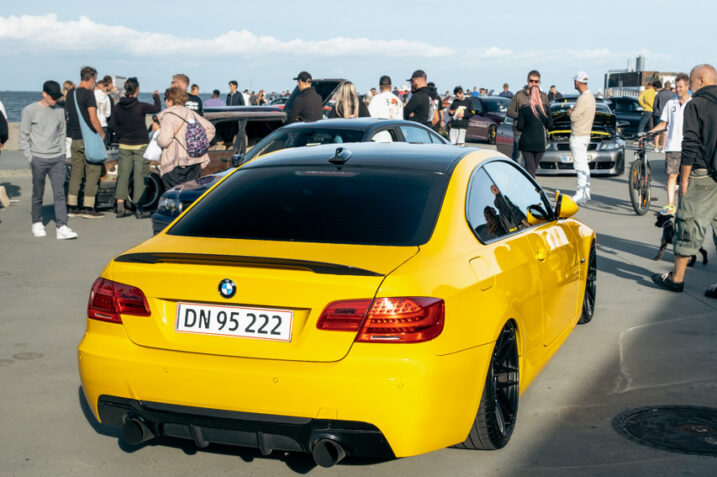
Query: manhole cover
point(684, 429)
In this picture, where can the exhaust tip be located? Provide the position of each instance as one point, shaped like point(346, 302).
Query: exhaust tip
point(135, 432)
point(327, 452)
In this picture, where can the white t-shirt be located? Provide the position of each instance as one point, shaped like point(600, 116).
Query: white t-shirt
point(673, 113)
point(386, 105)
point(103, 107)
point(2, 110)
point(246, 99)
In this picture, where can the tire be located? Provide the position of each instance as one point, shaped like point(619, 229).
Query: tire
point(498, 409)
point(639, 186)
point(152, 193)
point(491, 134)
point(590, 289)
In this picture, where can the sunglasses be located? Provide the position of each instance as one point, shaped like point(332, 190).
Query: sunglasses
point(534, 81)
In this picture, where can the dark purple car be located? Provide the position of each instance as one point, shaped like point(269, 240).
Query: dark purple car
point(489, 114)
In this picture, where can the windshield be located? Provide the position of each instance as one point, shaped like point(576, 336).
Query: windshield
point(299, 137)
point(319, 204)
point(496, 105)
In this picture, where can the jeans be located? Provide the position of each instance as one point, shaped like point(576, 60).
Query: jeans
point(579, 149)
point(516, 152)
point(81, 169)
point(132, 162)
point(54, 168)
point(645, 121)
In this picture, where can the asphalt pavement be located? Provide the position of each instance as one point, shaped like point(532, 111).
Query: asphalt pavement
point(645, 347)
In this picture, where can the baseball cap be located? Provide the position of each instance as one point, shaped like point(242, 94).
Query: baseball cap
point(417, 74)
point(384, 81)
point(581, 77)
point(304, 76)
point(52, 88)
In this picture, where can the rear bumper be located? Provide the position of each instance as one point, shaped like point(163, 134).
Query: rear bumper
point(261, 431)
point(416, 401)
point(605, 163)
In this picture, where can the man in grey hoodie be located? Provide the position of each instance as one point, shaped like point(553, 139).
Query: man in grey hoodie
point(42, 141)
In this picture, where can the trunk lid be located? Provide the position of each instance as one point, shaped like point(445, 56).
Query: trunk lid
point(297, 279)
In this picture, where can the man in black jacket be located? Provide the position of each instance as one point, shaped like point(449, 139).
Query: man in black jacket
point(419, 106)
point(697, 208)
point(234, 98)
point(307, 106)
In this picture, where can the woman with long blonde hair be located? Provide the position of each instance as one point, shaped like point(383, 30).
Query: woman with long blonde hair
point(348, 104)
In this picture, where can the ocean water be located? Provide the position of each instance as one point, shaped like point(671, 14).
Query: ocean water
point(14, 101)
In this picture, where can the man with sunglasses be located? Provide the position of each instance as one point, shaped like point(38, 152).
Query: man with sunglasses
point(520, 99)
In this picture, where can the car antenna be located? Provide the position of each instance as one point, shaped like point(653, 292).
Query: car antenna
point(342, 155)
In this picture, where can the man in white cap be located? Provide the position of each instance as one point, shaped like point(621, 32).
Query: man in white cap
point(581, 124)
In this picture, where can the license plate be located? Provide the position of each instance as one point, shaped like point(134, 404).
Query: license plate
point(569, 159)
point(256, 323)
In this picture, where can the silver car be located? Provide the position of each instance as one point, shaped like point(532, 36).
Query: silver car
point(606, 150)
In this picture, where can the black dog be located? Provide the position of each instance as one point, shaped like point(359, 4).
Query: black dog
point(668, 233)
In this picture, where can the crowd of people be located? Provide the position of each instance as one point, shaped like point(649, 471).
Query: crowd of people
point(685, 128)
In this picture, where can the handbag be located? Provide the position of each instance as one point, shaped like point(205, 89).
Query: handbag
point(95, 151)
point(153, 151)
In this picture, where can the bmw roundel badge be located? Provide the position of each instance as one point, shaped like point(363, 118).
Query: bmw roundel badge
point(227, 288)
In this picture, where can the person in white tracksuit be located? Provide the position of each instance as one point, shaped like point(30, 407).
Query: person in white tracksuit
point(581, 123)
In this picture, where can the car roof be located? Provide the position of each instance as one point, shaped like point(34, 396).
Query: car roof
point(437, 158)
point(353, 123)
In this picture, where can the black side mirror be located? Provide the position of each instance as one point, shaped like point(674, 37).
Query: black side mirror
point(237, 160)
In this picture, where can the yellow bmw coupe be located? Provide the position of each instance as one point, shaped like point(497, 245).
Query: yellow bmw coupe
point(380, 300)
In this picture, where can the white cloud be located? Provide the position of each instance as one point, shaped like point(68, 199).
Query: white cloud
point(47, 34)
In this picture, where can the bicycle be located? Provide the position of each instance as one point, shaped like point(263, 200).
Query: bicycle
point(640, 177)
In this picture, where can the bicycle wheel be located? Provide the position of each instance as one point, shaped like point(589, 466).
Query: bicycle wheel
point(639, 184)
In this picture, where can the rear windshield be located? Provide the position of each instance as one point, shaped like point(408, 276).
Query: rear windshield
point(320, 204)
point(300, 137)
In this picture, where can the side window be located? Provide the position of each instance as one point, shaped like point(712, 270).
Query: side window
point(477, 105)
point(385, 135)
point(415, 135)
point(516, 195)
point(481, 209)
point(436, 138)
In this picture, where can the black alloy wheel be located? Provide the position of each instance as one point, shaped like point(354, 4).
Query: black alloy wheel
point(590, 289)
point(153, 191)
point(491, 134)
point(498, 410)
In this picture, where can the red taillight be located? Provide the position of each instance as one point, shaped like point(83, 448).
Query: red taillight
point(390, 320)
point(344, 315)
point(108, 300)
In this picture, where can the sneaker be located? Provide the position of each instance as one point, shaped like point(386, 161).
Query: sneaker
point(668, 210)
point(91, 213)
point(38, 230)
point(143, 214)
point(711, 292)
point(65, 233)
point(121, 211)
point(74, 211)
point(581, 198)
point(665, 281)
point(4, 199)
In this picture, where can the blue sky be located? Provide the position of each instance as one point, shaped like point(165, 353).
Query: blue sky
point(264, 44)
